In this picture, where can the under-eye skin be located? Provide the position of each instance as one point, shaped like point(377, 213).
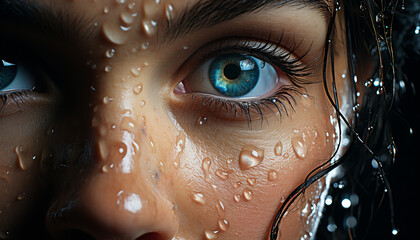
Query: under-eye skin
point(243, 80)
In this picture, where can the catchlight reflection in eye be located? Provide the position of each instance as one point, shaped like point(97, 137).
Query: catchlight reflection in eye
point(232, 76)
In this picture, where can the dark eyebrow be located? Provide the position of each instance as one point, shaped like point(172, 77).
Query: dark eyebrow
point(208, 13)
point(57, 24)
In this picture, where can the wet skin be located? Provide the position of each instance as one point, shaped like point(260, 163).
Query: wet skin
point(113, 146)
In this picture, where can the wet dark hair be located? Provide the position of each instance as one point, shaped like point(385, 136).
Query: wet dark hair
point(378, 32)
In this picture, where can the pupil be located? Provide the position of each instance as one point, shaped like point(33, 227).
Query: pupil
point(232, 71)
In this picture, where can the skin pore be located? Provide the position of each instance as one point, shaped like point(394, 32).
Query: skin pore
point(114, 147)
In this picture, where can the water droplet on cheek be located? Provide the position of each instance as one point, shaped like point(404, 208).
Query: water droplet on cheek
point(110, 53)
point(138, 89)
point(198, 198)
point(24, 164)
point(250, 156)
point(272, 175)
point(224, 225)
point(299, 147)
point(237, 198)
point(248, 194)
point(210, 234)
point(222, 174)
point(202, 121)
point(206, 168)
point(278, 149)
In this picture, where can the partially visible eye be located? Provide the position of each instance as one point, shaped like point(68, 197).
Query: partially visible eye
point(15, 78)
point(237, 76)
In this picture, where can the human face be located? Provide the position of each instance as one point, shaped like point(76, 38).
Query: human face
point(136, 119)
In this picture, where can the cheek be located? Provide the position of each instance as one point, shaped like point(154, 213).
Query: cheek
point(20, 151)
point(233, 194)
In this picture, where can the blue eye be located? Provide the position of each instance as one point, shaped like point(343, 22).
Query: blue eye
point(15, 77)
point(234, 75)
point(7, 73)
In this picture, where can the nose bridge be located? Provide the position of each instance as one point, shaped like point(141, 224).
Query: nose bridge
point(119, 199)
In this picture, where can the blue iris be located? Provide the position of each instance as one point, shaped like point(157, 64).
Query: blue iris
point(234, 75)
point(8, 72)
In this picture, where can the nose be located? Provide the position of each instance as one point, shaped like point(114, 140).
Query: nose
point(117, 199)
point(103, 210)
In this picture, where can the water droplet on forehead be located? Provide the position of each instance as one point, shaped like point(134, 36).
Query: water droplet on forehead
point(149, 27)
point(120, 1)
point(115, 33)
point(135, 71)
point(169, 11)
point(128, 17)
point(223, 225)
point(237, 198)
point(250, 156)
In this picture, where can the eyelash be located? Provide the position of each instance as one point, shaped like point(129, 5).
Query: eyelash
point(270, 53)
point(17, 97)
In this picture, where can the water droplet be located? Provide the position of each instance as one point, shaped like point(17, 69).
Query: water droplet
point(251, 181)
point(210, 235)
point(120, 1)
point(272, 175)
point(107, 100)
point(202, 121)
point(169, 11)
point(110, 53)
point(378, 17)
point(102, 149)
point(138, 89)
point(223, 225)
point(206, 168)
point(23, 164)
point(143, 103)
point(105, 169)
point(135, 71)
point(127, 124)
point(127, 17)
point(145, 45)
point(50, 131)
point(114, 33)
point(299, 147)
point(237, 198)
point(149, 27)
point(250, 156)
point(198, 198)
point(21, 196)
point(248, 195)
point(236, 184)
point(185, 47)
point(369, 83)
point(278, 149)
point(395, 231)
point(131, 5)
point(106, 10)
point(222, 174)
point(380, 91)
point(108, 68)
